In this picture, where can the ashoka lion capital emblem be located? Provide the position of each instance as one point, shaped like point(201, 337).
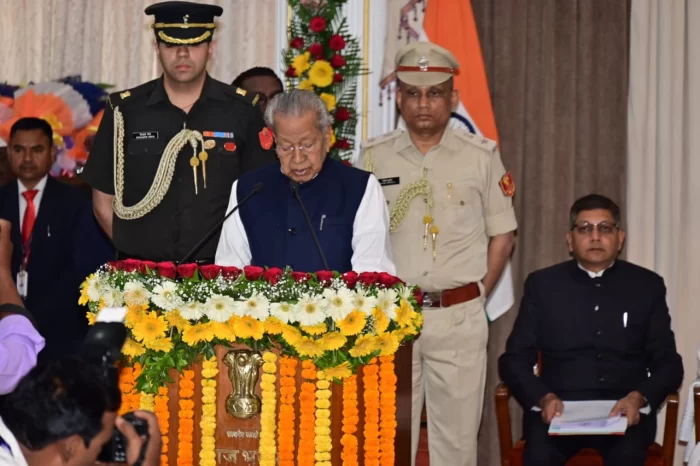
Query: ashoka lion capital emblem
point(243, 366)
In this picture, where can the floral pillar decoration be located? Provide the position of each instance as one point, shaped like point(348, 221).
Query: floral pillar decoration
point(324, 58)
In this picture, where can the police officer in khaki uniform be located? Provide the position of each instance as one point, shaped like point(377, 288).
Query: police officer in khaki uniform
point(168, 151)
point(452, 230)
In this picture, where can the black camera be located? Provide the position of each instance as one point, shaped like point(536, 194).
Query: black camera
point(102, 347)
point(115, 450)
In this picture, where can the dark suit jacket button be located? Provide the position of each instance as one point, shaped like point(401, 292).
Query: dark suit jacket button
point(599, 356)
point(292, 231)
point(601, 379)
point(598, 333)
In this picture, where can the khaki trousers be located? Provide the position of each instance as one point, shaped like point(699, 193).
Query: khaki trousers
point(449, 372)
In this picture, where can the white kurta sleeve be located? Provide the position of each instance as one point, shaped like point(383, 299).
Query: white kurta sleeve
point(233, 248)
point(371, 244)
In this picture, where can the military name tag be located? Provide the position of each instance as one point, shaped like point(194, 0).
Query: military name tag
point(145, 135)
point(389, 181)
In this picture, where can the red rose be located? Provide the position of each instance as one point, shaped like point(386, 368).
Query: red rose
point(272, 275)
point(187, 270)
point(147, 267)
point(368, 278)
point(388, 280)
point(131, 265)
point(291, 72)
point(316, 50)
point(347, 162)
point(418, 294)
point(296, 43)
point(231, 272)
point(342, 144)
point(337, 78)
point(252, 272)
point(167, 269)
point(325, 276)
point(317, 24)
point(336, 42)
point(337, 61)
point(350, 278)
point(342, 114)
point(210, 271)
point(115, 265)
point(300, 277)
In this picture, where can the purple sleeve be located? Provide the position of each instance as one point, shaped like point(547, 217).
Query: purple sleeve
point(20, 344)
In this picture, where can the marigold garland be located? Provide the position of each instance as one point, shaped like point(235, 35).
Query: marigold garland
point(207, 453)
point(371, 399)
point(350, 421)
point(185, 449)
point(126, 386)
point(387, 410)
point(307, 415)
point(323, 441)
point(163, 414)
point(147, 402)
point(268, 446)
point(286, 431)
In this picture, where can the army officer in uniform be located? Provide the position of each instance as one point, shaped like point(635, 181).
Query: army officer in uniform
point(452, 228)
point(168, 151)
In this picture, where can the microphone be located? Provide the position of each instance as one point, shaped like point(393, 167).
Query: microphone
point(256, 189)
point(294, 185)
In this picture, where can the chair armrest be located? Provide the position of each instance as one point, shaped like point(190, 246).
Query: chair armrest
point(696, 406)
point(669, 445)
point(505, 434)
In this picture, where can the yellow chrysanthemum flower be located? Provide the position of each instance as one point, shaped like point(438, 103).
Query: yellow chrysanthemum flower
point(176, 320)
point(132, 349)
point(223, 331)
point(274, 326)
point(308, 347)
point(305, 85)
point(291, 335)
point(321, 73)
point(340, 372)
point(134, 314)
point(332, 341)
point(300, 63)
point(249, 327)
point(91, 316)
point(84, 298)
point(381, 320)
point(160, 344)
point(150, 327)
point(352, 324)
point(269, 356)
point(318, 329)
point(197, 333)
point(387, 343)
point(418, 320)
point(405, 314)
point(364, 345)
point(329, 99)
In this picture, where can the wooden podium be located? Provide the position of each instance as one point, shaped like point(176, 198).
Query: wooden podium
point(237, 440)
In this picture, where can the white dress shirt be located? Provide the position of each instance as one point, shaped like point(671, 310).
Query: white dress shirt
point(13, 456)
point(371, 245)
point(595, 274)
point(40, 186)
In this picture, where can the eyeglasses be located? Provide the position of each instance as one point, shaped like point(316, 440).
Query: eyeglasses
point(604, 228)
point(305, 149)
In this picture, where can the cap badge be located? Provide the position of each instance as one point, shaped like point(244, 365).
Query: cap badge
point(423, 63)
point(185, 19)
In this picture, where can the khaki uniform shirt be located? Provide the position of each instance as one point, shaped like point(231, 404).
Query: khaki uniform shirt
point(465, 174)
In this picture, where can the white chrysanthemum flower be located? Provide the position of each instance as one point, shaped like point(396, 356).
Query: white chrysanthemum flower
point(257, 306)
point(364, 303)
point(112, 297)
point(219, 308)
point(386, 301)
point(309, 310)
point(340, 303)
point(284, 312)
point(165, 296)
point(93, 288)
point(191, 311)
point(405, 292)
point(135, 294)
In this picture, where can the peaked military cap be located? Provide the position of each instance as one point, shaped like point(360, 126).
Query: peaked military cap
point(425, 64)
point(184, 23)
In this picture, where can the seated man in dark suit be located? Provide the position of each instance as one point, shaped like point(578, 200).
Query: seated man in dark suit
point(57, 241)
point(603, 330)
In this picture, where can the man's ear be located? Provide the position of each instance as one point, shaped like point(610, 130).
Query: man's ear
point(455, 99)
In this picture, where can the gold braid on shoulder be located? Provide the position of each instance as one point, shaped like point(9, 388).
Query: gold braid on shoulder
point(164, 174)
point(403, 201)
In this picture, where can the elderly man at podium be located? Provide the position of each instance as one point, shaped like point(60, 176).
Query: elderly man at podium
point(307, 211)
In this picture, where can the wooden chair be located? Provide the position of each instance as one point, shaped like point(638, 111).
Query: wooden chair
point(696, 406)
point(658, 455)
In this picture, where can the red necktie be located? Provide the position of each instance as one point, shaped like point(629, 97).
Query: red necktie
point(29, 216)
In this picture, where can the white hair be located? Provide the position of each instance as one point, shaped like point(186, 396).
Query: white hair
point(296, 103)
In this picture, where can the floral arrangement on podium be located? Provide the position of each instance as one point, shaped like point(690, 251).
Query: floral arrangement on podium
point(325, 58)
point(311, 328)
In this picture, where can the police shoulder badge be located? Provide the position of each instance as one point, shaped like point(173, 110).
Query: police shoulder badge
point(507, 185)
point(266, 138)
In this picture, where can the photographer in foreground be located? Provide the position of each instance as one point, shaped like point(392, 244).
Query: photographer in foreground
point(64, 413)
